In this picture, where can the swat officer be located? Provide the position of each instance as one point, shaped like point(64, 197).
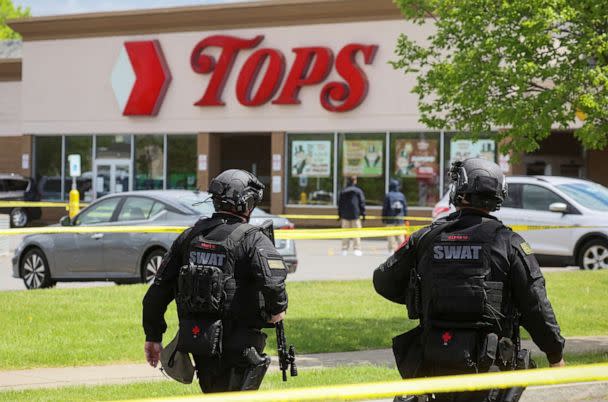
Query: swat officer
point(471, 282)
point(229, 282)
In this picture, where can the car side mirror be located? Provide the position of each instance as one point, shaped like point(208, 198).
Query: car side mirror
point(558, 207)
point(65, 221)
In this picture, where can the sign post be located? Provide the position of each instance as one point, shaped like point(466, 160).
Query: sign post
point(74, 199)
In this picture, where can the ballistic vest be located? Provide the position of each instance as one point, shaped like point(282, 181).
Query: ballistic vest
point(455, 276)
point(206, 284)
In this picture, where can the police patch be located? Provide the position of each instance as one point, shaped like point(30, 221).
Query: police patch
point(525, 247)
point(276, 264)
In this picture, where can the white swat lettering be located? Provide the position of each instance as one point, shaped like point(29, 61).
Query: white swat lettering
point(438, 252)
point(453, 252)
point(202, 258)
point(476, 251)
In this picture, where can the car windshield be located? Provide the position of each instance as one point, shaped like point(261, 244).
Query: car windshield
point(589, 195)
point(201, 203)
point(259, 212)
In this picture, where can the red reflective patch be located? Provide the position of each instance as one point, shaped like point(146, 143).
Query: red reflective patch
point(459, 237)
point(208, 246)
point(446, 337)
point(196, 330)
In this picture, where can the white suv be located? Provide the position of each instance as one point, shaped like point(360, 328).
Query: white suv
point(556, 201)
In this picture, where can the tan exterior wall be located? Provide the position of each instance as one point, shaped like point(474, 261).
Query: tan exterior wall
point(68, 88)
point(12, 150)
point(10, 108)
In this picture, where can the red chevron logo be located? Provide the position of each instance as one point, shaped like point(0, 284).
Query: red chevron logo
point(140, 78)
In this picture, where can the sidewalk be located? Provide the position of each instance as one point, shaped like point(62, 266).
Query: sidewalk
point(128, 373)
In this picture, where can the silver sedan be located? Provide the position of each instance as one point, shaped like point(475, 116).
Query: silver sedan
point(45, 259)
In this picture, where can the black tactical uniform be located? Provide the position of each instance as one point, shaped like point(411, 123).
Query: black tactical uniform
point(471, 281)
point(252, 292)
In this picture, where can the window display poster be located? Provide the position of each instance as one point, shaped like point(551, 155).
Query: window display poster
point(416, 158)
point(463, 149)
point(363, 158)
point(310, 158)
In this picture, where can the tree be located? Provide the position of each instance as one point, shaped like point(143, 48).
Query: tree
point(9, 11)
point(525, 66)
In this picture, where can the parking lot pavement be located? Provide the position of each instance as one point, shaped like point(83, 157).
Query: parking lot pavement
point(318, 260)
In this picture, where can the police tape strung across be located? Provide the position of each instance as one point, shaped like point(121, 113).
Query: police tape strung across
point(421, 386)
point(288, 234)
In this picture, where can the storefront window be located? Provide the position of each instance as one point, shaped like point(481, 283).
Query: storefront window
point(363, 155)
point(181, 162)
point(47, 165)
point(113, 147)
point(148, 164)
point(414, 162)
point(310, 167)
point(81, 145)
point(457, 149)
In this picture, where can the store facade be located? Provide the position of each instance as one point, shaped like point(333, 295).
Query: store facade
point(299, 92)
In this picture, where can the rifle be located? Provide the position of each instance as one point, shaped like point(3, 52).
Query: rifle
point(287, 356)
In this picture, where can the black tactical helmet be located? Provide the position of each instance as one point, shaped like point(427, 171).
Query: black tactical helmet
point(479, 182)
point(236, 190)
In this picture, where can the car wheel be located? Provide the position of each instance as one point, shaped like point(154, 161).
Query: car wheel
point(18, 218)
point(35, 270)
point(594, 255)
point(151, 265)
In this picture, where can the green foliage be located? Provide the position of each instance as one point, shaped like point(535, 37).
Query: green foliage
point(9, 11)
point(525, 66)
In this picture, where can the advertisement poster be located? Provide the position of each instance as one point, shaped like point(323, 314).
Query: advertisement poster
point(416, 158)
point(310, 158)
point(463, 149)
point(363, 158)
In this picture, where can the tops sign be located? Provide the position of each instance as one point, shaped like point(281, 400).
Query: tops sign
point(140, 76)
point(311, 66)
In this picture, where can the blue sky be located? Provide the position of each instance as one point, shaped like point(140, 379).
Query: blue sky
point(53, 7)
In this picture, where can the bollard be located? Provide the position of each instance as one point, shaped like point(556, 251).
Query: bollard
point(74, 203)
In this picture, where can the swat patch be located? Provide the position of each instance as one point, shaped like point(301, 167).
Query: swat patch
point(276, 264)
point(204, 258)
point(525, 247)
point(453, 252)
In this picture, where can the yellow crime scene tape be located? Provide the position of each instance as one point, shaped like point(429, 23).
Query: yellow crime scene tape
point(31, 204)
point(367, 217)
point(281, 234)
point(458, 383)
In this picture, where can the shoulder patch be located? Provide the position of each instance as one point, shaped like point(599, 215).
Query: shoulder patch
point(525, 247)
point(276, 264)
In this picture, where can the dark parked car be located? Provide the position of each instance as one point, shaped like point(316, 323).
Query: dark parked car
point(44, 259)
point(14, 187)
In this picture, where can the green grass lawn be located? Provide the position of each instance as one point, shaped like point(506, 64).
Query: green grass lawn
point(158, 389)
point(86, 326)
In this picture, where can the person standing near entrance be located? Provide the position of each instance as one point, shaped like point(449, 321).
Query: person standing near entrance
point(351, 210)
point(393, 211)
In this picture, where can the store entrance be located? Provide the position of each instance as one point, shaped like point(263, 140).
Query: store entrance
point(250, 152)
point(112, 176)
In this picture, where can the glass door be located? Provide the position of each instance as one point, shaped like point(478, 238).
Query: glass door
point(112, 176)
